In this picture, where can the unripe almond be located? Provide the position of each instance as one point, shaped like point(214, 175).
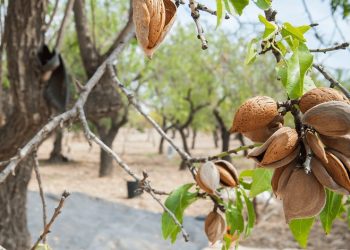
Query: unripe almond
point(228, 173)
point(208, 177)
point(215, 227)
point(254, 113)
point(320, 95)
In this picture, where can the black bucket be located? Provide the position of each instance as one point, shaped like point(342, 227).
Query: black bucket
point(132, 189)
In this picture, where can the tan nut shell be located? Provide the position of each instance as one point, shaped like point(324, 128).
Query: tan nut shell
point(208, 177)
point(228, 173)
point(324, 178)
point(152, 19)
point(320, 95)
point(329, 118)
point(304, 196)
point(254, 113)
point(337, 171)
point(262, 134)
point(339, 143)
point(214, 227)
point(280, 178)
point(316, 146)
point(279, 150)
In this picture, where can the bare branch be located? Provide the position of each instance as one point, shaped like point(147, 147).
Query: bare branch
point(67, 12)
point(138, 107)
point(200, 31)
point(318, 36)
point(336, 47)
point(204, 8)
point(41, 191)
point(223, 154)
point(334, 83)
point(53, 218)
point(48, 24)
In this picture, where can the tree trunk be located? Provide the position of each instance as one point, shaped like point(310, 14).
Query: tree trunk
point(239, 136)
point(56, 155)
point(215, 138)
point(194, 136)
point(185, 147)
point(23, 36)
point(161, 144)
point(225, 138)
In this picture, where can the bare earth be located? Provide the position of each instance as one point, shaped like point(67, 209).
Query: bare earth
point(139, 151)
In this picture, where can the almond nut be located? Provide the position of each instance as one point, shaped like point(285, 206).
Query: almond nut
point(214, 227)
point(208, 177)
point(329, 118)
point(316, 146)
point(320, 95)
point(228, 173)
point(339, 143)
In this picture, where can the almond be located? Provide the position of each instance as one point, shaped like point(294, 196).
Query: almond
point(304, 196)
point(208, 177)
point(339, 143)
point(214, 227)
point(228, 173)
point(320, 95)
point(329, 118)
point(316, 146)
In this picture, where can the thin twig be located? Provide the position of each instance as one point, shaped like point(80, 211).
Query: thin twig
point(223, 154)
point(200, 31)
point(67, 12)
point(58, 209)
point(138, 107)
point(336, 47)
point(48, 24)
point(318, 36)
point(41, 191)
point(334, 83)
point(204, 8)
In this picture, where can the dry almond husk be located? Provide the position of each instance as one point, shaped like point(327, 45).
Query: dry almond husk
point(320, 95)
point(303, 197)
point(153, 19)
point(324, 177)
point(254, 113)
point(329, 118)
point(280, 178)
point(337, 171)
point(228, 173)
point(316, 146)
point(214, 227)
point(208, 177)
point(263, 133)
point(279, 150)
point(338, 143)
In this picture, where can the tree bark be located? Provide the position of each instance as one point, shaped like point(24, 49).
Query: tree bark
point(185, 147)
point(56, 155)
point(225, 138)
point(194, 136)
point(23, 36)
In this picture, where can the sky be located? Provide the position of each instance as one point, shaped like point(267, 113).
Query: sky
point(292, 11)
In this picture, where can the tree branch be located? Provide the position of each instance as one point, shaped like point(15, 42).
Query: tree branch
point(334, 83)
point(48, 24)
point(204, 8)
point(336, 47)
point(53, 218)
point(67, 12)
point(200, 31)
point(41, 191)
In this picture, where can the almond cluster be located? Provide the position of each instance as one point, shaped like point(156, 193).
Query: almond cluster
point(325, 131)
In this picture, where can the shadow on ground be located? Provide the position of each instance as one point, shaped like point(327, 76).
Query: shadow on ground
point(88, 223)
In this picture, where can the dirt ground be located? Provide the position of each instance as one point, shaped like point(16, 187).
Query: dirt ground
point(139, 151)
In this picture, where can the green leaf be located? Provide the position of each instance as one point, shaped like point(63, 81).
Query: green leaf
point(251, 214)
point(270, 28)
point(300, 229)
point(252, 52)
point(282, 47)
point(246, 173)
point(227, 6)
point(349, 217)
point(293, 74)
point(263, 4)
point(234, 220)
point(296, 32)
point(219, 11)
point(331, 210)
point(261, 181)
point(177, 202)
point(239, 5)
point(239, 201)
